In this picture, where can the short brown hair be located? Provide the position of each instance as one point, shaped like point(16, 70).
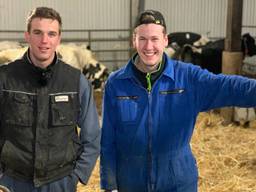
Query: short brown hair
point(43, 12)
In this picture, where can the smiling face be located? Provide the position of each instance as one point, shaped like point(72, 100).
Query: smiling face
point(43, 39)
point(150, 41)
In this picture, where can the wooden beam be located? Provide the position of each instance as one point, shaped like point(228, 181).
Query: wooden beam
point(232, 56)
point(234, 25)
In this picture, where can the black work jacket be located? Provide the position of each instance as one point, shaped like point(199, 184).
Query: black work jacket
point(38, 117)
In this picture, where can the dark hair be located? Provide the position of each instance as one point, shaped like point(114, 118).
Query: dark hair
point(150, 16)
point(43, 12)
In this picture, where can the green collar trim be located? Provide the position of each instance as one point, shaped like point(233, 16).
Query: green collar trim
point(148, 77)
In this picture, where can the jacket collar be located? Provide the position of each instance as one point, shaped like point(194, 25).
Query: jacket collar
point(26, 57)
point(43, 75)
point(128, 73)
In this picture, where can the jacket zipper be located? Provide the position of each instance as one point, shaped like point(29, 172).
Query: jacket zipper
point(150, 140)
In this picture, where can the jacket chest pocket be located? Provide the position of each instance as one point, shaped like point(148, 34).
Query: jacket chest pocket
point(18, 108)
point(174, 103)
point(63, 109)
point(172, 98)
point(128, 108)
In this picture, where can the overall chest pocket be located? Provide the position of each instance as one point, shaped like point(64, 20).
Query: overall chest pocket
point(63, 109)
point(18, 108)
point(172, 99)
point(128, 108)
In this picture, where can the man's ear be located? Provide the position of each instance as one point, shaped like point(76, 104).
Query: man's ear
point(26, 36)
point(134, 40)
point(59, 39)
point(166, 40)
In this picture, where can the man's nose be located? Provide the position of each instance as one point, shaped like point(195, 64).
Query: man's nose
point(148, 44)
point(44, 38)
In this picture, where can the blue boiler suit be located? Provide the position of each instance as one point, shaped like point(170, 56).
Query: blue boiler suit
point(145, 144)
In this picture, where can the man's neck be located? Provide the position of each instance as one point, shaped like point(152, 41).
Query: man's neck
point(145, 68)
point(42, 65)
point(35, 62)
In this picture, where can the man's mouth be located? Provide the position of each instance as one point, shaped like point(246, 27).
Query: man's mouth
point(149, 54)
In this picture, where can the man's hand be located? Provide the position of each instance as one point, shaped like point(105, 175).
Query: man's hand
point(107, 190)
point(4, 189)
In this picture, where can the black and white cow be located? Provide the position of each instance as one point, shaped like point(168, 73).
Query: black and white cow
point(97, 74)
point(209, 56)
point(177, 40)
point(182, 38)
point(82, 58)
point(10, 45)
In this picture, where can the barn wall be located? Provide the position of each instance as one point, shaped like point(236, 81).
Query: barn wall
point(77, 14)
point(202, 16)
point(249, 17)
point(206, 17)
point(83, 14)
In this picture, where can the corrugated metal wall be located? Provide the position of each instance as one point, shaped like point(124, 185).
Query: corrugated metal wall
point(206, 17)
point(249, 16)
point(76, 14)
point(202, 16)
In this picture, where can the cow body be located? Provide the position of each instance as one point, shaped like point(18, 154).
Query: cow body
point(9, 45)
point(177, 40)
point(209, 56)
point(183, 38)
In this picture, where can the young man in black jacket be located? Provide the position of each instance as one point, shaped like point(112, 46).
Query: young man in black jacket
point(42, 101)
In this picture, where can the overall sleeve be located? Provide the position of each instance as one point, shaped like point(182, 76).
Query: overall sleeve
point(1, 131)
point(214, 91)
point(108, 148)
point(89, 134)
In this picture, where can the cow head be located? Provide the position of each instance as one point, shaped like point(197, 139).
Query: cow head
point(248, 45)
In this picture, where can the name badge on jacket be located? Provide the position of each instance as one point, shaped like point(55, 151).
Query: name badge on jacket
point(61, 98)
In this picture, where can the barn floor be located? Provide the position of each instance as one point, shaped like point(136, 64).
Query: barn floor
point(226, 156)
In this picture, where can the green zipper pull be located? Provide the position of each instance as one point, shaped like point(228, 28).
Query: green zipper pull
point(148, 76)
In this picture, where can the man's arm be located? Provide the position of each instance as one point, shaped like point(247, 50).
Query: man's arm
point(89, 134)
point(108, 148)
point(215, 91)
point(1, 131)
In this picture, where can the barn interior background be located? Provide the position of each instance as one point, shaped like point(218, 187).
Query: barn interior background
point(105, 25)
point(226, 155)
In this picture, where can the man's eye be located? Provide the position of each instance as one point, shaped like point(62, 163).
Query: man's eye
point(53, 34)
point(37, 32)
